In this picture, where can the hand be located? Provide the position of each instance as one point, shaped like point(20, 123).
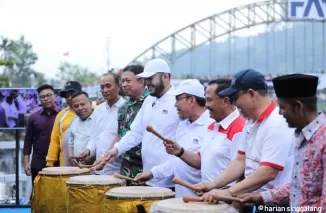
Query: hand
point(110, 155)
point(203, 187)
point(143, 177)
point(73, 161)
point(89, 160)
point(213, 196)
point(172, 147)
point(27, 169)
point(85, 153)
point(253, 197)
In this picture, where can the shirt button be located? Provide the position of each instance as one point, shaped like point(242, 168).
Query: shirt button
point(297, 163)
point(295, 176)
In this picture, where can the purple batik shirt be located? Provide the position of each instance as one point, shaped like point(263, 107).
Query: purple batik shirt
point(38, 136)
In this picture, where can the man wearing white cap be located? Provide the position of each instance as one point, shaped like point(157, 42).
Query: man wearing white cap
point(222, 139)
point(158, 111)
point(190, 103)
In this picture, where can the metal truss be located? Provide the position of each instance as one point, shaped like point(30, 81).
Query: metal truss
point(209, 29)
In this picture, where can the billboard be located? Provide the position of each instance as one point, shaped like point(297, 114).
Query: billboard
point(307, 9)
point(17, 104)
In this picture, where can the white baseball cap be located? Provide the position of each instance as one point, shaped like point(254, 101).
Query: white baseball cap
point(191, 87)
point(154, 66)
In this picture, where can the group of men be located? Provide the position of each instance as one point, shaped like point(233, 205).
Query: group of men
point(230, 140)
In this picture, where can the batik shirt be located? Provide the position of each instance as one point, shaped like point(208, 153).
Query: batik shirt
point(308, 186)
point(131, 161)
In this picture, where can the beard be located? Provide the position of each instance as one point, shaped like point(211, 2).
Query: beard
point(157, 89)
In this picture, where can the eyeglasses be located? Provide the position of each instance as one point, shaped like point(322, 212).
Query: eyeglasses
point(43, 97)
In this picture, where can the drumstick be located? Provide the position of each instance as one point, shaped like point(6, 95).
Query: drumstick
point(117, 175)
point(152, 130)
point(182, 183)
point(187, 199)
point(84, 166)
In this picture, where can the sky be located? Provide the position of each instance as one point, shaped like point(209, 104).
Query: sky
point(85, 28)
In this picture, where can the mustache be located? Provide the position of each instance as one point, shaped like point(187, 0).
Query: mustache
point(210, 109)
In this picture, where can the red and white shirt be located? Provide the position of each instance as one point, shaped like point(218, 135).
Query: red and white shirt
point(220, 145)
point(269, 142)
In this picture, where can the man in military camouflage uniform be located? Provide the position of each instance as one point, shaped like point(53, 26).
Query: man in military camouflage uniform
point(135, 90)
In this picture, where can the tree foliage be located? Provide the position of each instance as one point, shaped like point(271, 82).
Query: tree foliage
point(75, 72)
point(21, 52)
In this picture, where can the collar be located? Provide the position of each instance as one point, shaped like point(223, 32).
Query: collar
point(89, 117)
point(202, 120)
point(268, 111)
point(168, 93)
point(142, 97)
point(225, 123)
point(53, 110)
point(118, 104)
point(312, 128)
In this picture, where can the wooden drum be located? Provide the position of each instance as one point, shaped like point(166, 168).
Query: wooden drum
point(134, 199)
point(50, 188)
point(176, 205)
point(86, 193)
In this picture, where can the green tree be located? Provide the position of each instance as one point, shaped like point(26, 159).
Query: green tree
point(21, 52)
point(69, 72)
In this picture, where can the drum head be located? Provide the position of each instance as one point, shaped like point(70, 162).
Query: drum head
point(95, 180)
point(140, 192)
point(177, 205)
point(56, 171)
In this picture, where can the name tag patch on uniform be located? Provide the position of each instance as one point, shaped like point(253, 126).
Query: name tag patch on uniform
point(164, 111)
point(195, 141)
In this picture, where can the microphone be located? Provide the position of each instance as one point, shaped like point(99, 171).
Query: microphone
point(153, 104)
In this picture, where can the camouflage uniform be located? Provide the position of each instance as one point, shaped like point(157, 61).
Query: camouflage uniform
point(131, 161)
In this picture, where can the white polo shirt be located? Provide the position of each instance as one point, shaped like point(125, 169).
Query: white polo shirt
point(269, 142)
point(162, 115)
point(189, 136)
point(106, 129)
point(220, 146)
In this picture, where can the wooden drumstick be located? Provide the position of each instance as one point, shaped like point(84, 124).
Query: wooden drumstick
point(182, 183)
point(187, 199)
point(152, 130)
point(81, 166)
point(117, 175)
point(221, 197)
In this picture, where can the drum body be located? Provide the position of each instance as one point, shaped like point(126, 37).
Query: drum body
point(132, 198)
point(50, 188)
point(86, 193)
point(176, 205)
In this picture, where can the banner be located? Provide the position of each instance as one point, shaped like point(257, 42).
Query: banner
point(307, 9)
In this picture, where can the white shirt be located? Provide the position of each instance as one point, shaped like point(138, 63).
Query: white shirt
point(11, 111)
point(220, 146)
point(269, 142)
point(106, 128)
point(190, 136)
point(80, 134)
point(163, 117)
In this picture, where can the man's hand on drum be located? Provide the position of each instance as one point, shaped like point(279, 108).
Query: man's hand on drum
point(253, 197)
point(73, 161)
point(108, 158)
point(214, 195)
point(143, 177)
point(201, 188)
point(172, 147)
point(84, 154)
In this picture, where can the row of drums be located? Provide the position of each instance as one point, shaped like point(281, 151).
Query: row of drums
point(75, 190)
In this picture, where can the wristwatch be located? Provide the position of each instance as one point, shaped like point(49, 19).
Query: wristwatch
point(181, 152)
